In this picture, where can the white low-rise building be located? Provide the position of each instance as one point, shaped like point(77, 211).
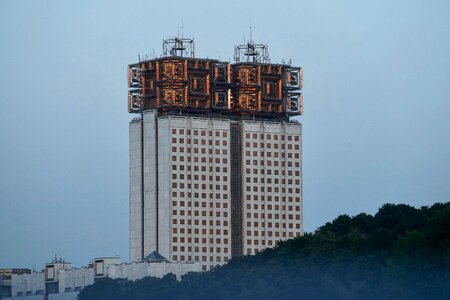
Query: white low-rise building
point(153, 265)
point(28, 284)
point(59, 281)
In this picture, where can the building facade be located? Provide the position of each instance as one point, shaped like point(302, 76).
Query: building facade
point(5, 280)
point(59, 281)
point(212, 188)
point(215, 160)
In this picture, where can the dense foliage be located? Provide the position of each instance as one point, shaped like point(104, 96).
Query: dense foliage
point(399, 253)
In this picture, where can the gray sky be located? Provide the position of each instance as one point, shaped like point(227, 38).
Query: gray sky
point(376, 124)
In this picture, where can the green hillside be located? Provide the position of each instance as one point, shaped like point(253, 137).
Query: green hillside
point(399, 253)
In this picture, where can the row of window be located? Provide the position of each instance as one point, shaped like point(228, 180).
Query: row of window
point(249, 145)
point(269, 198)
point(217, 160)
point(217, 133)
point(188, 168)
point(197, 132)
point(249, 196)
point(196, 240)
point(266, 162)
point(276, 180)
point(269, 208)
point(198, 142)
point(254, 154)
point(275, 137)
point(199, 195)
point(203, 222)
point(275, 236)
point(270, 189)
point(196, 186)
point(276, 172)
point(199, 177)
point(199, 249)
point(197, 258)
point(267, 236)
point(197, 231)
point(201, 150)
point(276, 225)
point(190, 203)
point(204, 150)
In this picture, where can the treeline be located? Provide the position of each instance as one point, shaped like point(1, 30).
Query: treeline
point(399, 253)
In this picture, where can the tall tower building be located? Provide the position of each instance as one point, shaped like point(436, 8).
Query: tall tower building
point(215, 161)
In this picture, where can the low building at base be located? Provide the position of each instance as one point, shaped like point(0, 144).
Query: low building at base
point(5, 280)
point(59, 281)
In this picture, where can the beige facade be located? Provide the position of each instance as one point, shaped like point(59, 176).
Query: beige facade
point(206, 189)
point(272, 190)
point(199, 174)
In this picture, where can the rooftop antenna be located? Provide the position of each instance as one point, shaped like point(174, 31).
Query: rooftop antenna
point(182, 29)
point(251, 52)
point(179, 46)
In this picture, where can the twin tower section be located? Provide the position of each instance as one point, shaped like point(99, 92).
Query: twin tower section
point(180, 82)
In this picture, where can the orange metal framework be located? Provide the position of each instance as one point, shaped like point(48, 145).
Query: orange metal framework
point(207, 85)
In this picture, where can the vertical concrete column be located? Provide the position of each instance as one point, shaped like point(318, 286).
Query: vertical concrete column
point(135, 192)
point(164, 172)
point(150, 206)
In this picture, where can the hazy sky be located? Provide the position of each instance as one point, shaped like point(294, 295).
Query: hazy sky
point(376, 124)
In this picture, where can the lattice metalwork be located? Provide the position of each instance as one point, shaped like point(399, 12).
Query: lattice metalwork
point(252, 86)
point(251, 52)
point(181, 47)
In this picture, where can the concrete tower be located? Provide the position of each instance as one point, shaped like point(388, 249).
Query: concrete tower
point(215, 162)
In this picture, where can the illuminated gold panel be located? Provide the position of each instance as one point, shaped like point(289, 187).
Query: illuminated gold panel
point(129, 102)
point(248, 101)
point(157, 70)
point(280, 88)
point(301, 78)
point(172, 71)
point(300, 100)
point(143, 85)
point(129, 76)
point(171, 96)
point(247, 76)
point(158, 97)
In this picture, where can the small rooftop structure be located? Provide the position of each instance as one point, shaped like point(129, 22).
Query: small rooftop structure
point(155, 257)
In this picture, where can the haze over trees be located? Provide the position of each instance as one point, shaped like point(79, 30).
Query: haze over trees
point(399, 253)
